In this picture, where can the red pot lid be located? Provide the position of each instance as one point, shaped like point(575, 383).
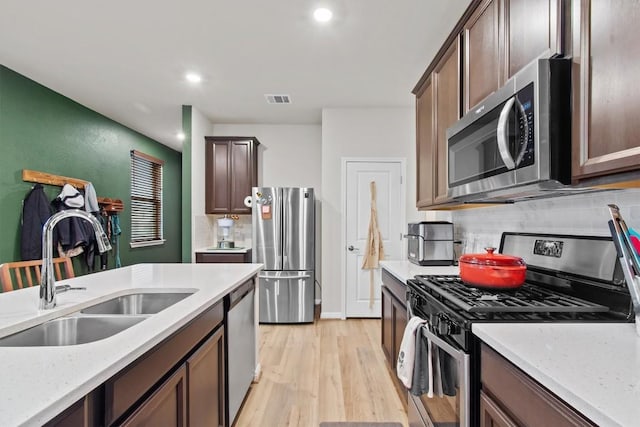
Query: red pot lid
point(490, 258)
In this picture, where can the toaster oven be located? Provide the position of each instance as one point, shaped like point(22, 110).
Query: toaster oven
point(430, 243)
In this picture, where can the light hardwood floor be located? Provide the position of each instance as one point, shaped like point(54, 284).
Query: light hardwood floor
point(331, 370)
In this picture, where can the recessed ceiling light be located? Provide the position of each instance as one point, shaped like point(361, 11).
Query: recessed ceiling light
point(181, 136)
point(322, 14)
point(193, 78)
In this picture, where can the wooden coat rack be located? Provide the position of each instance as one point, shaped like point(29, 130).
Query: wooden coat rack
point(108, 204)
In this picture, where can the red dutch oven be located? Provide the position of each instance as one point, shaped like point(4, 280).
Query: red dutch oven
point(493, 271)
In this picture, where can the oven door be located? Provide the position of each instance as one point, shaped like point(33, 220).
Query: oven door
point(485, 148)
point(452, 409)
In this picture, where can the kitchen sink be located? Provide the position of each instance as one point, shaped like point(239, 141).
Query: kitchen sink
point(70, 331)
point(139, 303)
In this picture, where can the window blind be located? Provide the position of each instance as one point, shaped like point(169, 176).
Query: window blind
point(146, 200)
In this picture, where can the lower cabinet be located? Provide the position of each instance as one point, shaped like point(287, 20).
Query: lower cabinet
point(509, 397)
point(394, 321)
point(205, 379)
point(217, 257)
point(167, 406)
point(178, 383)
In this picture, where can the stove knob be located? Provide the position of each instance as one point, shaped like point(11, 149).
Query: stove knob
point(446, 326)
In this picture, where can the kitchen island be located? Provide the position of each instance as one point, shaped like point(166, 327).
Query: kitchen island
point(594, 368)
point(41, 382)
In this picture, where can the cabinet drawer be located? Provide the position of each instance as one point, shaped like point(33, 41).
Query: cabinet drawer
point(522, 398)
point(204, 257)
point(128, 386)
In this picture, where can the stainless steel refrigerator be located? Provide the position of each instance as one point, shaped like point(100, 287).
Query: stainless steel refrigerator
point(284, 241)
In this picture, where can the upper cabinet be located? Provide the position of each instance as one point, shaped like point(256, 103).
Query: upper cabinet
point(439, 93)
point(231, 170)
point(501, 37)
point(483, 73)
point(532, 27)
point(606, 94)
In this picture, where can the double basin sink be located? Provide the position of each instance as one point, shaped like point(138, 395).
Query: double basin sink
point(96, 322)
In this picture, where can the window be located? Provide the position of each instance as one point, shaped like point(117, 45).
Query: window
point(146, 200)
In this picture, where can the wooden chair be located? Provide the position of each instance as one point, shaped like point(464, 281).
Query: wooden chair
point(21, 274)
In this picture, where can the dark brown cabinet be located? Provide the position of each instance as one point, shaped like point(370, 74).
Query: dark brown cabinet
point(213, 257)
point(437, 108)
point(533, 27)
point(394, 321)
point(503, 36)
point(425, 146)
point(606, 95)
point(165, 407)
point(509, 397)
point(483, 73)
point(231, 169)
point(205, 379)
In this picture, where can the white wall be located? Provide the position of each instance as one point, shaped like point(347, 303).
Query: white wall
point(350, 132)
point(201, 225)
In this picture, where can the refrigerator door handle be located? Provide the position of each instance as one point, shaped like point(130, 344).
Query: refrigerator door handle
point(297, 276)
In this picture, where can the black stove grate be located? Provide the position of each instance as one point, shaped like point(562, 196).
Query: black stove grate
point(527, 299)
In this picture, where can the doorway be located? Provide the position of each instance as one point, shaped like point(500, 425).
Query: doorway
point(357, 174)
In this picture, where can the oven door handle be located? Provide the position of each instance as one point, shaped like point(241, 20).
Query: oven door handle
point(503, 146)
point(459, 355)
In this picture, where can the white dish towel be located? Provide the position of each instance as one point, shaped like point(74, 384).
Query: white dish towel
point(406, 355)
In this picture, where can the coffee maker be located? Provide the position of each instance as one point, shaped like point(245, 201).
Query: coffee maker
point(225, 233)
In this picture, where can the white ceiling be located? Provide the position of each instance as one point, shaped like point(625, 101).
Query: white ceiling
point(127, 59)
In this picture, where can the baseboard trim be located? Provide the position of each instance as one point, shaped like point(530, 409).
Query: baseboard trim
point(331, 315)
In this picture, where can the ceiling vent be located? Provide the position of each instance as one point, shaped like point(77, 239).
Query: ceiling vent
point(278, 99)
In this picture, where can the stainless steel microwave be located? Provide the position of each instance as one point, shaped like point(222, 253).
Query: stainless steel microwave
point(517, 142)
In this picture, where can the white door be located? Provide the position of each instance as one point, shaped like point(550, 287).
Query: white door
point(390, 206)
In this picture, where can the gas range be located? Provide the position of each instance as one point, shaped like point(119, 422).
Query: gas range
point(569, 279)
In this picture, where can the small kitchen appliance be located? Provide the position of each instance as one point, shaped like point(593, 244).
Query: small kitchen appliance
point(430, 243)
point(568, 279)
point(513, 144)
point(225, 233)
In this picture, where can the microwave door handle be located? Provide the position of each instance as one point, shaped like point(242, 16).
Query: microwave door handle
point(503, 147)
point(523, 148)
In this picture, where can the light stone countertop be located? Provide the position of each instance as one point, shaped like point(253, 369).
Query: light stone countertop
point(595, 368)
point(40, 382)
point(405, 270)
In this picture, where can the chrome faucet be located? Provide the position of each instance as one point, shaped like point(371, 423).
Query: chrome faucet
point(47, 279)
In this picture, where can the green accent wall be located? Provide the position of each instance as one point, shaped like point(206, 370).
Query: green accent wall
point(186, 184)
point(45, 131)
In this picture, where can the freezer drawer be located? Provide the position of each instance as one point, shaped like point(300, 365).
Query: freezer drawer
point(286, 296)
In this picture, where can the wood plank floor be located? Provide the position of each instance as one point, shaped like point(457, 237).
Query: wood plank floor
point(331, 370)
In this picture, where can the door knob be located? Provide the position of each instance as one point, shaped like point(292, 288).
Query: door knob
point(351, 248)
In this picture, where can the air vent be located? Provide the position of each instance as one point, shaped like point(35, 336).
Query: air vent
point(278, 99)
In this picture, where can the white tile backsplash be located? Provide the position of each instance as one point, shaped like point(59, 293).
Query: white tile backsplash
point(241, 230)
point(585, 214)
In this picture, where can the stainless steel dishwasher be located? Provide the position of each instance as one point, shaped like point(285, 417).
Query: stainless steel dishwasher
point(241, 345)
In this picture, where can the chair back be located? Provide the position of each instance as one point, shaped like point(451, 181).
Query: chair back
point(22, 274)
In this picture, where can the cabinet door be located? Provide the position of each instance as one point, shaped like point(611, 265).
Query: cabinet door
point(387, 326)
point(533, 27)
point(242, 176)
point(606, 102)
point(483, 72)
point(205, 375)
point(446, 78)
point(166, 407)
point(425, 145)
point(400, 323)
point(491, 415)
point(218, 177)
